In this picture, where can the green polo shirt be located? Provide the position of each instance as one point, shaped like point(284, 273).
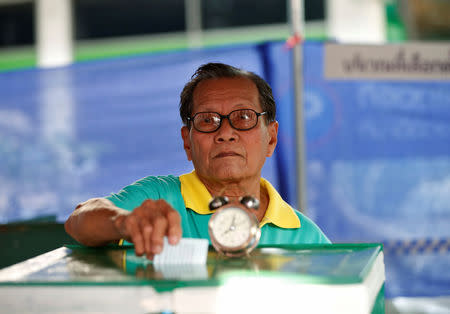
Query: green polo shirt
point(187, 194)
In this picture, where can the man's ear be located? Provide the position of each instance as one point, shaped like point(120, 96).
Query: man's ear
point(186, 142)
point(272, 130)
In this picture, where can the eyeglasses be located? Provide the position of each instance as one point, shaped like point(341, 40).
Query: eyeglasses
point(241, 119)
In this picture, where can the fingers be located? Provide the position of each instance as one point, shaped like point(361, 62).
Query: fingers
point(166, 223)
point(147, 225)
point(147, 239)
point(135, 234)
point(174, 227)
point(159, 231)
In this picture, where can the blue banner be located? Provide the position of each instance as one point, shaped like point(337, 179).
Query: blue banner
point(378, 166)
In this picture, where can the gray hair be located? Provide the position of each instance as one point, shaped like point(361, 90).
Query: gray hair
point(220, 70)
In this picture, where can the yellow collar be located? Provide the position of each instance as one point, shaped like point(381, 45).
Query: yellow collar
point(196, 197)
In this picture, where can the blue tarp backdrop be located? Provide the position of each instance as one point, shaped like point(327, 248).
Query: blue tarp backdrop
point(378, 152)
point(378, 166)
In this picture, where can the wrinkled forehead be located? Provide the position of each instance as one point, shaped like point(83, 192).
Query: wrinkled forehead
point(225, 94)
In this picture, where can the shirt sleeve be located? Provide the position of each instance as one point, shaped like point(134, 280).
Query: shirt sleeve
point(314, 233)
point(154, 188)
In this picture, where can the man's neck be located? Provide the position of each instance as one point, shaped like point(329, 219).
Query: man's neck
point(235, 190)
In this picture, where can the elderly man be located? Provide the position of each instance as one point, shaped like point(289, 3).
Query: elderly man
point(229, 130)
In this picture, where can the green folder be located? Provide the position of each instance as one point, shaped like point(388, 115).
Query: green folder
point(337, 278)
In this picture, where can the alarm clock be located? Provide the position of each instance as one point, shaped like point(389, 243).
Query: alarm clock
point(234, 231)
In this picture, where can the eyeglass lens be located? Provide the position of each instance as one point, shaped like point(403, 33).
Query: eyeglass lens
point(242, 119)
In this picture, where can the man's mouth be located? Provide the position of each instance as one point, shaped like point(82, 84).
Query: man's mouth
point(227, 154)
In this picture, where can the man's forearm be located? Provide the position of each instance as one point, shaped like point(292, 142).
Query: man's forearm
point(92, 222)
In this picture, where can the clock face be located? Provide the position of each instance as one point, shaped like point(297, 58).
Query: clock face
point(231, 227)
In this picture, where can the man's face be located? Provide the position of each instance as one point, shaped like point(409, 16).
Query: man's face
point(228, 155)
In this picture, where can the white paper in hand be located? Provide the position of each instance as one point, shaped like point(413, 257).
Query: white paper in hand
point(187, 251)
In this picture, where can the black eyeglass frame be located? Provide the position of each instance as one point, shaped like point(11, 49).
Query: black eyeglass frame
point(258, 114)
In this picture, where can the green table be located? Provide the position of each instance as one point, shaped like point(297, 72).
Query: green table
point(338, 278)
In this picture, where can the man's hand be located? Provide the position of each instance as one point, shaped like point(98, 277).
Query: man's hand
point(148, 224)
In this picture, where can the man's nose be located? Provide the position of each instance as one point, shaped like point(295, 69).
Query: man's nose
point(226, 132)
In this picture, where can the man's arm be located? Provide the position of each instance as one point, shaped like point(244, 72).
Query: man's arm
point(98, 222)
point(92, 223)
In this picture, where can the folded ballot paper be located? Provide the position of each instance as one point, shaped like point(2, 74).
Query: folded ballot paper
point(192, 278)
point(186, 260)
point(186, 251)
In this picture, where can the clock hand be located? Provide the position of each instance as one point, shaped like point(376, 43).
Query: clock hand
point(226, 231)
point(232, 226)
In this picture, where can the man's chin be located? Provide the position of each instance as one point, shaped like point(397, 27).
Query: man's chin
point(229, 173)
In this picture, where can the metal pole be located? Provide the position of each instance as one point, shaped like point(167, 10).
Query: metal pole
point(193, 16)
point(297, 20)
point(54, 32)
